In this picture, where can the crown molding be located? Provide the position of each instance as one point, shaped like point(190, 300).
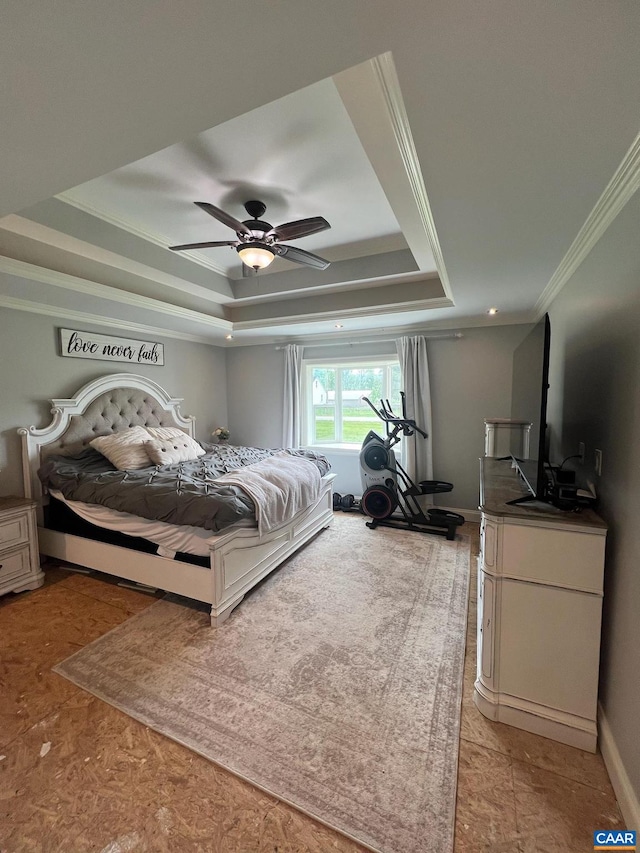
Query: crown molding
point(376, 336)
point(445, 328)
point(21, 269)
point(367, 311)
point(99, 320)
point(158, 239)
point(356, 284)
point(354, 337)
point(617, 193)
point(390, 87)
point(48, 236)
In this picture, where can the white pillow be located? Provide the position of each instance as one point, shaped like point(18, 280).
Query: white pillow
point(126, 449)
point(165, 432)
point(168, 451)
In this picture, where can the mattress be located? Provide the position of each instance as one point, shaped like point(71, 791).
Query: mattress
point(170, 538)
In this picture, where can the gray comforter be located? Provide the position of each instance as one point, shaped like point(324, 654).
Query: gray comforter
point(186, 493)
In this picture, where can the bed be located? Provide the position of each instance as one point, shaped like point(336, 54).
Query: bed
point(238, 557)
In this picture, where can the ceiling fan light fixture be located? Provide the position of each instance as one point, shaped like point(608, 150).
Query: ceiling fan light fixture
point(259, 242)
point(255, 255)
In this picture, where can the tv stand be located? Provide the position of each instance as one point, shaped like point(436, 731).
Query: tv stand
point(525, 499)
point(540, 588)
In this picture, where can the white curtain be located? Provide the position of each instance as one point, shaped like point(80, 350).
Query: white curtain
point(292, 420)
point(417, 457)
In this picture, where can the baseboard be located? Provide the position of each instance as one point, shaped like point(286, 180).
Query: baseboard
point(472, 515)
point(539, 719)
point(626, 796)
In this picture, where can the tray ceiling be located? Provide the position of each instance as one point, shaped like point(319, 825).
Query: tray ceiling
point(459, 152)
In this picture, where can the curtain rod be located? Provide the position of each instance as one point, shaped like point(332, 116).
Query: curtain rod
point(446, 336)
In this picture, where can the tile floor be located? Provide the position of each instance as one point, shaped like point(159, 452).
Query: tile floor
point(77, 775)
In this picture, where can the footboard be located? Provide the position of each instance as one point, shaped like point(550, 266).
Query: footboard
point(240, 559)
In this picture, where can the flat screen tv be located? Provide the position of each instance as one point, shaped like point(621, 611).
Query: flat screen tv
point(529, 402)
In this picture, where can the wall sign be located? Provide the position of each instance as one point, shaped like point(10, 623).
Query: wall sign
point(108, 348)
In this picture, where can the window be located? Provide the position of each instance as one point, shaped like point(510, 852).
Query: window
point(335, 413)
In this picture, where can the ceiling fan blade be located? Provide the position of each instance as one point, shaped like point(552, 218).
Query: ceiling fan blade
point(300, 228)
point(209, 245)
point(299, 256)
point(225, 218)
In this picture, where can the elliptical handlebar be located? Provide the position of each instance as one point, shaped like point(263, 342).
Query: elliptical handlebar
point(386, 414)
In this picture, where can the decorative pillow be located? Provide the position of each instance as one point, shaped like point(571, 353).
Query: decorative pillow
point(168, 451)
point(165, 432)
point(126, 449)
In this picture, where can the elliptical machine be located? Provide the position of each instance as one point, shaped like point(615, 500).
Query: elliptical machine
point(387, 486)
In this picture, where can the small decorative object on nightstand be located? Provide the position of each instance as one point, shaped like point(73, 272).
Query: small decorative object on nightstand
point(19, 556)
point(222, 434)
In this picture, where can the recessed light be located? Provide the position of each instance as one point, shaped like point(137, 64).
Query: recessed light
point(339, 326)
point(228, 337)
point(492, 311)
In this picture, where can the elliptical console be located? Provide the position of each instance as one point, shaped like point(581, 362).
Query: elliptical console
point(387, 487)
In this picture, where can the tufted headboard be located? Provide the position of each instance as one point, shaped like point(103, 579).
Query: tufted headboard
point(106, 405)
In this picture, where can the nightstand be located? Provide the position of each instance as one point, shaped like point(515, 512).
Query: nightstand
point(19, 556)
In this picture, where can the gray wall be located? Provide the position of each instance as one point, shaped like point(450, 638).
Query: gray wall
point(255, 378)
point(33, 372)
point(470, 381)
point(595, 398)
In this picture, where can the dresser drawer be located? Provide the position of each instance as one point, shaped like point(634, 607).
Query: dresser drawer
point(15, 564)
point(558, 557)
point(14, 531)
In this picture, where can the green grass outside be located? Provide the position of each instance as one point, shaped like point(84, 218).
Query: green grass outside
point(353, 432)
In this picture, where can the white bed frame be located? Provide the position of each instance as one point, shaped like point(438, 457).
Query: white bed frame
point(238, 558)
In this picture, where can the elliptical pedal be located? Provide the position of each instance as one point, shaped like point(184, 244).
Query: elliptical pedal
point(434, 487)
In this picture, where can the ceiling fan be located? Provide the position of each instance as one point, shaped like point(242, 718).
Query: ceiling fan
point(258, 242)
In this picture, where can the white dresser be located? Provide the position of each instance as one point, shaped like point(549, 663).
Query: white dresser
point(540, 587)
point(19, 557)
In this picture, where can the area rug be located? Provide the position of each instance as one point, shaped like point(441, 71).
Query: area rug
point(335, 685)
